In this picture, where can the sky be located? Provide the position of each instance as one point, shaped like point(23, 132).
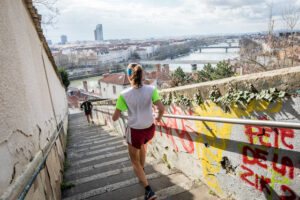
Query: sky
point(140, 19)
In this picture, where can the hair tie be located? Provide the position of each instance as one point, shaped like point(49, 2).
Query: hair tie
point(129, 71)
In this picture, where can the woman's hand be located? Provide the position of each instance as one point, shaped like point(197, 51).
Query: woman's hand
point(158, 118)
point(116, 115)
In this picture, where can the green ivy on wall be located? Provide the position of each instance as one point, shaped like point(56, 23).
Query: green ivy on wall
point(231, 96)
point(175, 98)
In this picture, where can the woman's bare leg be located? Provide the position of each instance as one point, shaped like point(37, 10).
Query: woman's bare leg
point(143, 156)
point(134, 154)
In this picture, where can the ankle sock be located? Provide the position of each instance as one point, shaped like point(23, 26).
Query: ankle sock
point(147, 189)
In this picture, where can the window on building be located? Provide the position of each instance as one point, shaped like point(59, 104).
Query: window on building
point(114, 89)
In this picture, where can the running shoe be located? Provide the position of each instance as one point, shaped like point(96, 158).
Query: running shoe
point(150, 195)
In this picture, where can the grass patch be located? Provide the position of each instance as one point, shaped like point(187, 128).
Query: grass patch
point(166, 161)
point(151, 154)
point(65, 186)
point(67, 165)
point(165, 158)
point(175, 152)
point(68, 138)
point(212, 193)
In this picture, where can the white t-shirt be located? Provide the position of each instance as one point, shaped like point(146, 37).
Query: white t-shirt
point(138, 101)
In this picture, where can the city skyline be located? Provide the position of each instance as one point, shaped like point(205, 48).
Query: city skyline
point(170, 18)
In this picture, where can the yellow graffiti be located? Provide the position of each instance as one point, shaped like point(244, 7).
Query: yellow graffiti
point(216, 135)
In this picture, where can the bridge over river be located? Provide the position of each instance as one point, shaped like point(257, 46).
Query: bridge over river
point(219, 47)
point(154, 62)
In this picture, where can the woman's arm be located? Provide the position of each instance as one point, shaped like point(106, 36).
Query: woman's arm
point(161, 110)
point(116, 114)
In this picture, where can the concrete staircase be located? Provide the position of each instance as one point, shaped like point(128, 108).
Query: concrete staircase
point(100, 168)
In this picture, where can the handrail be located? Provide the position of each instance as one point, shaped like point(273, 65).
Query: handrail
point(38, 169)
point(276, 124)
point(268, 123)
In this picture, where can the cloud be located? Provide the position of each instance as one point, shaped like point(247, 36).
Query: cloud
point(155, 18)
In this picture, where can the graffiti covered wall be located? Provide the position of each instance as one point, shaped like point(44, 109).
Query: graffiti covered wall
point(241, 161)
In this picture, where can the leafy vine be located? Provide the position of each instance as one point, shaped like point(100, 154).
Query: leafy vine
point(198, 98)
point(231, 96)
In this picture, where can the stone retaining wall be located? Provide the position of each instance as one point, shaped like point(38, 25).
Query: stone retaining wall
point(241, 161)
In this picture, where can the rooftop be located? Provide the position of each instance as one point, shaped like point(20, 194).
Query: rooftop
point(118, 79)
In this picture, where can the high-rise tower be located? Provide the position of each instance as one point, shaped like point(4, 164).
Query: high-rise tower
point(98, 32)
point(63, 39)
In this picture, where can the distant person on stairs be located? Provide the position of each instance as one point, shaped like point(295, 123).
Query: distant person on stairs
point(138, 100)
point(88, 106)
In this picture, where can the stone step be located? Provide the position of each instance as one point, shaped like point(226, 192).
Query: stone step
point(112, 179)
point(96, 166)
point(137, 190)
point(96, 152)
point(173, 190)
point(110, 187)
point(76, 146)
point(84, 132)
point(197, 192)
point(98, 159)
point(114, 156)
point(97, 146)
point(102, 175)
point(99, 168)
point(86, 141)
point(97, 135)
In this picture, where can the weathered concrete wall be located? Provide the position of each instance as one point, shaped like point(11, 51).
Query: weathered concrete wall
point(245, 162)
point(33, 102)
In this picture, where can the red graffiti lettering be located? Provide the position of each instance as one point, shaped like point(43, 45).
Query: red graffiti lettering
point(268, 137)
point(246, 160)
point(286, 133)
point(264, 184)
point(182, 129)
point(285, 161)
point(183, 134)
point(159, 125)
point(292, 195)
point(266, 133)
point(168, 128)
point(260, 155)
point(256, 154)
point(249, 173)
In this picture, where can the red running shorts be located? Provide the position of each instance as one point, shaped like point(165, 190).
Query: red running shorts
point(138, 137)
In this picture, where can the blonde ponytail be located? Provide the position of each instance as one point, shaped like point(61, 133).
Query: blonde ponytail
point(136, 74)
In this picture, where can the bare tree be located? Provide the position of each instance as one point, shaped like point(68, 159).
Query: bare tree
point(49, 11)
point(271, 20)
point(270, 29)
point(290, 16)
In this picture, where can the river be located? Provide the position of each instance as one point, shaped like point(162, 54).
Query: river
point(206, 54)
point(91, 81)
